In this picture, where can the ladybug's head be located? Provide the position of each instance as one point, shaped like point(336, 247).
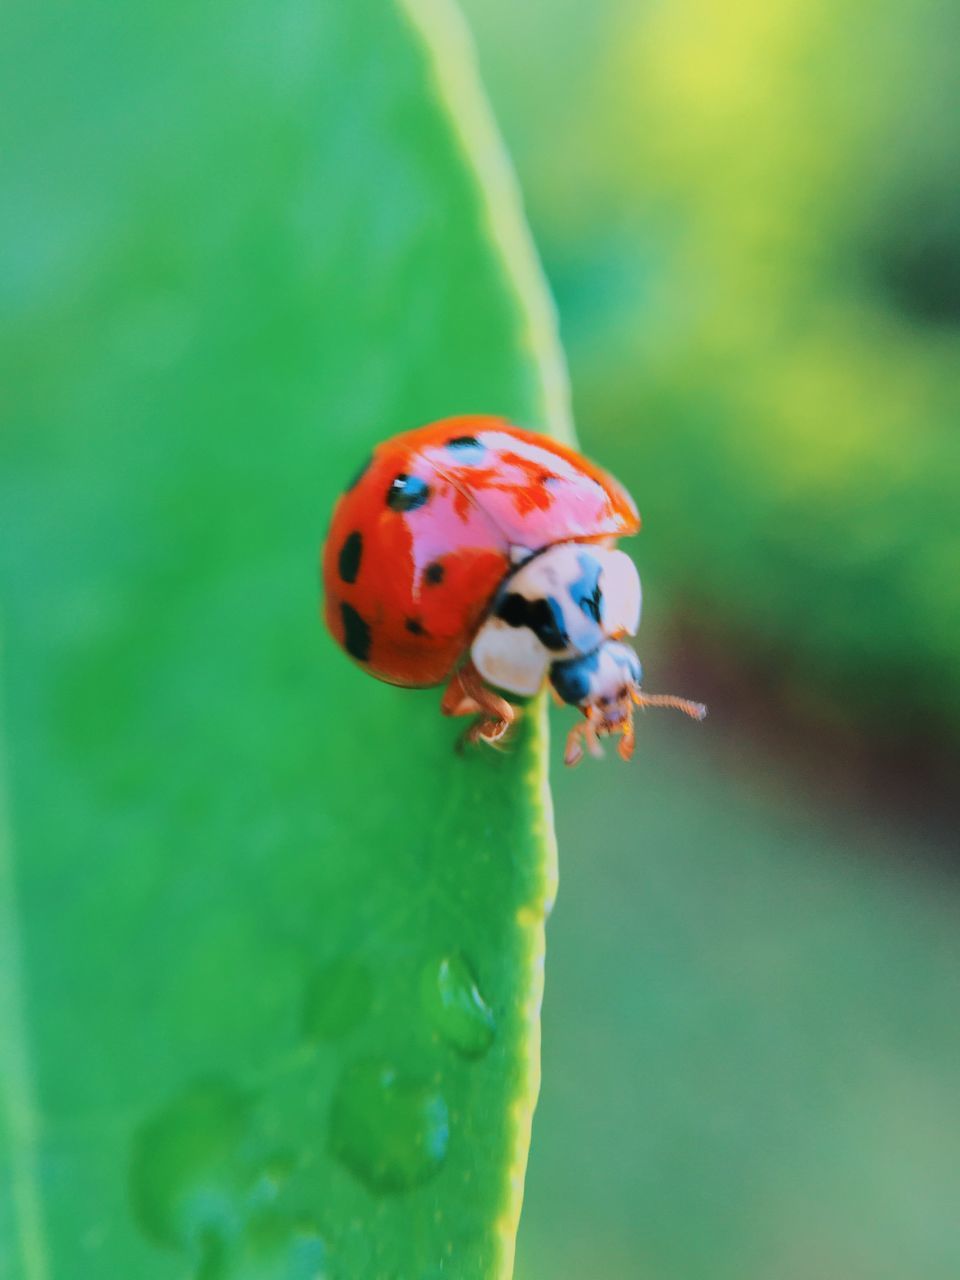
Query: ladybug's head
point(602, 681)
point(605, 685)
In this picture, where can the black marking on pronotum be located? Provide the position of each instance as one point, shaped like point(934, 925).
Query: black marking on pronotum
point(362, 471)
point(585, 592)
point(351, 553)
point(467, 448)
point(544, 617)
point(415, 627)
point(407, 493)
point(433, 574)
point(356, 633)
point(571, 678)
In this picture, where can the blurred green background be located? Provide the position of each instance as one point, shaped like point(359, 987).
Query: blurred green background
point(750, 216)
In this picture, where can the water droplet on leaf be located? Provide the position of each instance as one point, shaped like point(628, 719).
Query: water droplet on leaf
point(388, 1129)
point(456, 1008)
point(187, 1176)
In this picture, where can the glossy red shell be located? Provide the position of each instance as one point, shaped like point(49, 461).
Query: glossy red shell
point(406, 589)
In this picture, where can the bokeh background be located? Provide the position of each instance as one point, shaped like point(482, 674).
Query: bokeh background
point(750, 217)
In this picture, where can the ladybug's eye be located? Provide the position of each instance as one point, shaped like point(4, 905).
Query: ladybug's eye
point(407, 493)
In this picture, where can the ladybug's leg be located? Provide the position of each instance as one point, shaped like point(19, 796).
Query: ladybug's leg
point(574, 749)
point(456, 701)
point(467, 695)
point(626, 743)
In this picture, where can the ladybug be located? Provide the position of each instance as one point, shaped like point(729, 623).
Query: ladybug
point(475, 553)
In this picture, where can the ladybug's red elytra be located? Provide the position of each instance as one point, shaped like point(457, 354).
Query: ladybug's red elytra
point(474, 552)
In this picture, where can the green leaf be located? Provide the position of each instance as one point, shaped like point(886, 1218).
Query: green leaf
point(271, 950)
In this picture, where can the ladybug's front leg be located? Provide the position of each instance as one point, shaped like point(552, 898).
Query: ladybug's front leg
point(581, 733)
point(467, 695)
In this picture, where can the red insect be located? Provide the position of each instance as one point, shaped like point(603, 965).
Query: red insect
point(474, 552)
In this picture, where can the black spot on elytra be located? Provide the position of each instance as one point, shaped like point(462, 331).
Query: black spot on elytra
point(433, 574)
point(407, 493)
point(415, 627)
point(467, 448)
point(351, 553)
point(360, 474)
point(356, 633)
point(544, 617)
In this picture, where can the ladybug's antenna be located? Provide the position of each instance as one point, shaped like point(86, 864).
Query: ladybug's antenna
point(696, 710)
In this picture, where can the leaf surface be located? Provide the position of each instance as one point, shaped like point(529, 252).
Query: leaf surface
point(272, 951)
